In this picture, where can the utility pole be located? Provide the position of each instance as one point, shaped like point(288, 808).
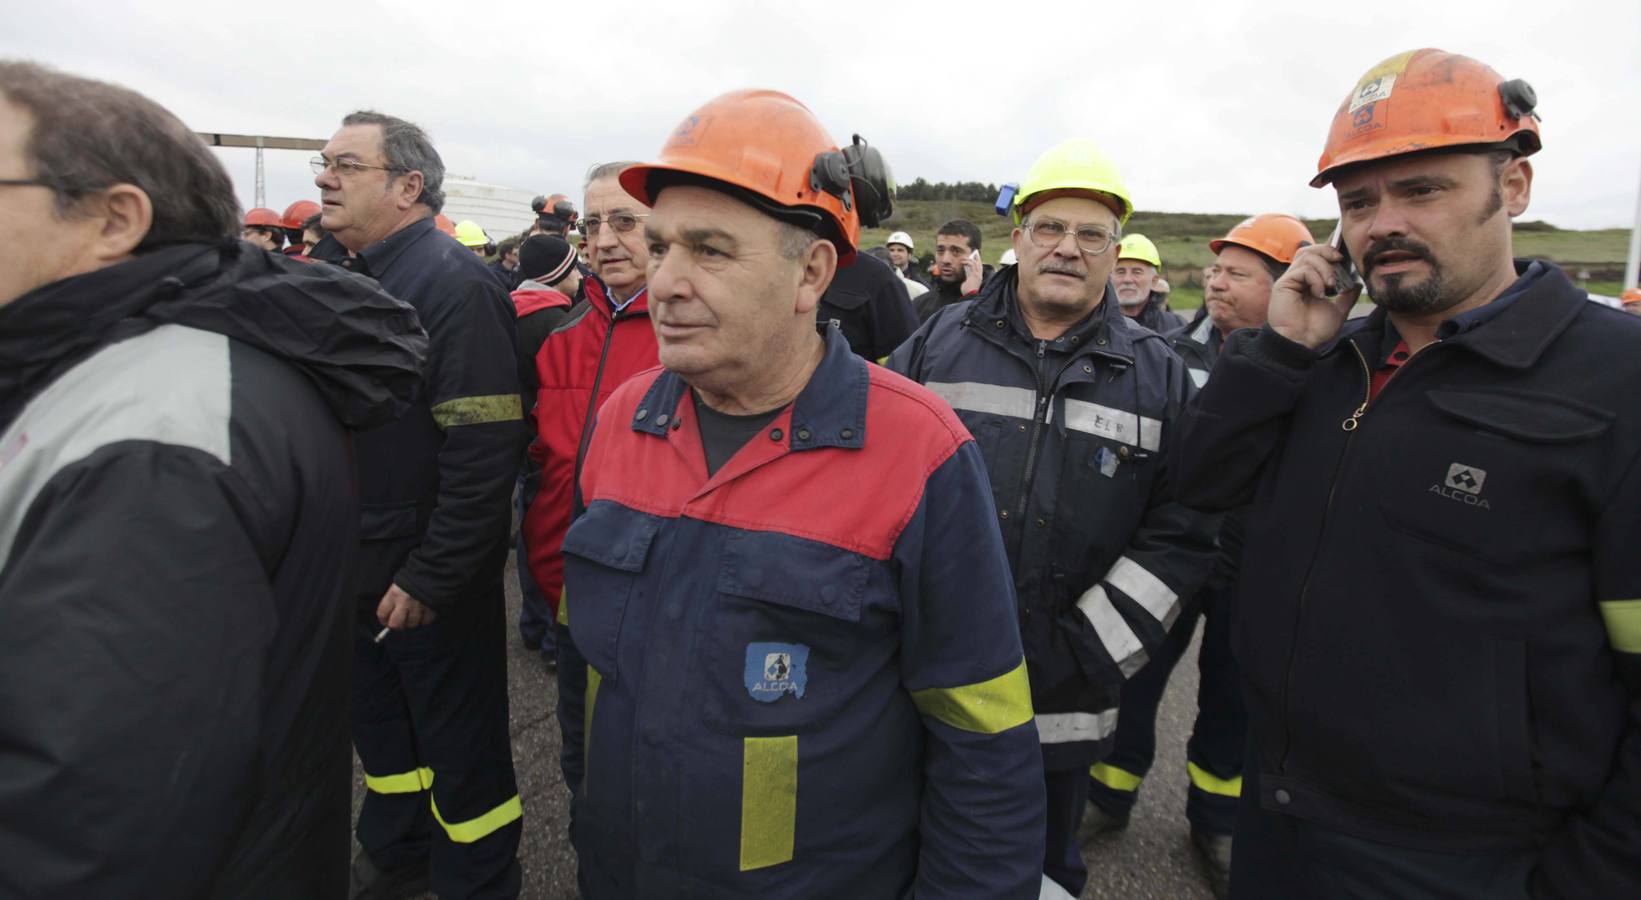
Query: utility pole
point(1632, 267)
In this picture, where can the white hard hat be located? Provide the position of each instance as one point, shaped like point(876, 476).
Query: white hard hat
point(901, 237)
point(1008, 258)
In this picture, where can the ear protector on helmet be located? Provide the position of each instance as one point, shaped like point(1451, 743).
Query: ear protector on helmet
point(1519, 98)
point(856, 174)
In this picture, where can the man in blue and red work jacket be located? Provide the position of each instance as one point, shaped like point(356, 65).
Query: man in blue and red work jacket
point(795, 689)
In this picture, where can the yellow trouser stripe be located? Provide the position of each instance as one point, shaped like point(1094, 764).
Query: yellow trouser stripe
point(478, 410)
point(1115, 778)
point(769, 801)
point(1204, 780)
point(564, 607)
point(473, 829)
point(987, 707)
point(403, 783)
point(593, 681)
point(1623, 618)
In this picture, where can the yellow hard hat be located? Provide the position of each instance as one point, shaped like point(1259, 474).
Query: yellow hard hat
point(1138, 246)
point(1076, 165)
point(469, 234)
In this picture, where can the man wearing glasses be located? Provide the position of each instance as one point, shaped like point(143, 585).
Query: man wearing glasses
point(441, 807)
point(1073, 407)
point(606, 341)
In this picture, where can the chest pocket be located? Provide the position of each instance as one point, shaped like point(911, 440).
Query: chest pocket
point(605, 552)
point(787, 645)
point(1111, 456)
point(1498, 480)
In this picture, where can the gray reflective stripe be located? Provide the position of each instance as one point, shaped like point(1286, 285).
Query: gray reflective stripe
point(1201, 333)
point(1067, 728)
point(1199, 377)
point(995, 399)
point(171, 385)
point(1116, 424)
point(1121, 644)
point(1051, 890)
point(1145, 588)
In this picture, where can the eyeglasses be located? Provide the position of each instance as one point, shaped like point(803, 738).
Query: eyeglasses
point(345, 166)
point(621, 222)
point(26, 182)
point(1048, 233)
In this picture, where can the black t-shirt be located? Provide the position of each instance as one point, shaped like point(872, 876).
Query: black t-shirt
point(722, 435)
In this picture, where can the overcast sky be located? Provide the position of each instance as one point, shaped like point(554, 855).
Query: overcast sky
point(1218, 107)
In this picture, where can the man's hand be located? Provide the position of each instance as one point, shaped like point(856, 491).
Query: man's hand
point(972, 274)
point(1300, 309)
point(399, 611)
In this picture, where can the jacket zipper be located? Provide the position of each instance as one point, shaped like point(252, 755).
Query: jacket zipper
point(592, 402)
point(1037, 422)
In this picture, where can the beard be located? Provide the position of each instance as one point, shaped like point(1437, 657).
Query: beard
point(1400, 293)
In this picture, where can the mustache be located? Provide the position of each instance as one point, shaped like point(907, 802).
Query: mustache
point(1052, 269)
point(1379, 249)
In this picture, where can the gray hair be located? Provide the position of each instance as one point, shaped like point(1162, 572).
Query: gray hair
point(90, 135)
point(605, 170)
point(407, 148)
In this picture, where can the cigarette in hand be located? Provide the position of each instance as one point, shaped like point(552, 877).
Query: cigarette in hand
point(382, 634)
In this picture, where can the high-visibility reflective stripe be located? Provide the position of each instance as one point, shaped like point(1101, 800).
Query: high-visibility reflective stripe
point(1120, 642)
point(594, 680)
point(1204, 780)
point(1145, 588)
point(475, 829)
point(1623, 618)
point(1051, 890)
point(564, 607)
point(411, 782)
point(1199, 377)
point(987, 707)
point(769, 800)
point(1116, 424)
point(1066, 728)
point(1115, 778)
point(478, 410)
point(1021, 403)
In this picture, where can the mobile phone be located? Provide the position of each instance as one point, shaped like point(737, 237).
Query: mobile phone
point(974, 255)
point(1344, 272)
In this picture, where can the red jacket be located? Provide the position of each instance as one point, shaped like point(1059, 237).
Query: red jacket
point(590, 354)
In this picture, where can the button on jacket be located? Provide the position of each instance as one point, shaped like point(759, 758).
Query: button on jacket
point(1438, 630)
point(805, 676)
point(1074, 434)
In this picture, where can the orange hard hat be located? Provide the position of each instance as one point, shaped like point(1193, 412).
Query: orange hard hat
point(771, 152)
point(1630, 295)
point(1429, 100)
point(263, 217)
point(298, 213)
point(443, 223)
point(1275, 235)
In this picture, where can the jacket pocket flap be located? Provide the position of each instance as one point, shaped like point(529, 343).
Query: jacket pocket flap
point(1538, 418)
point(386, 521)
point(612, 535)
point(793, 571)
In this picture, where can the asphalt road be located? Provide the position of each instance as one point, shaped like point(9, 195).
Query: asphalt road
point(1150, 860)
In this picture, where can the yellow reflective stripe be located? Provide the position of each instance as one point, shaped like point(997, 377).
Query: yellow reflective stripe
point(403, 783)
point(1204, 780)
point(1115, 778)
point(987, 707)
point(478, 410)
point(474, 829)
point(593, 681)
point(769, 800)
point(564, 607)
point(1623, 618)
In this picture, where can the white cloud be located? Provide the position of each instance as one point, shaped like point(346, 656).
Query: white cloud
point(1208, 108)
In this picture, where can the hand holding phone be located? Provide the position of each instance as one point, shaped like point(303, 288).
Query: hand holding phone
point(973, 273)
point(1344, 271)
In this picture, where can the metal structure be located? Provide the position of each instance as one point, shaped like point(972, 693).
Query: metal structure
point(260, 142)
point(1632, 265)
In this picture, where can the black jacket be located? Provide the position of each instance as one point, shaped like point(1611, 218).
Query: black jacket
point(1156, 318)
point(870, 305)
point(1073, 432)
point(177, 515)
point(944, 293)
point(1437, 626)
point(436, 485)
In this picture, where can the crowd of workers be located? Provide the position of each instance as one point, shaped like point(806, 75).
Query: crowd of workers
point(857, 580)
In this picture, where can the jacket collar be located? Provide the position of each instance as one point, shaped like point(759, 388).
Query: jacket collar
point(602, 301)
point(1513, 330)
point(830, 411)
point(996, 310)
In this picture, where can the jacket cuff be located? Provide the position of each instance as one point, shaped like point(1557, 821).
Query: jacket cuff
point(1275, 352)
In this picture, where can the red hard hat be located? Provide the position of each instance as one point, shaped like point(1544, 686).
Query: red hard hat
point(298, 213)
point(1428, 100)
point(263, 217)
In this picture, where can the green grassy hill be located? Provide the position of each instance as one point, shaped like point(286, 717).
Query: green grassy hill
point(1182, 239)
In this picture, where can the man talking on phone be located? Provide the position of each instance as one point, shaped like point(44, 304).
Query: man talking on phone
point(1438, 627)
point(959, 274)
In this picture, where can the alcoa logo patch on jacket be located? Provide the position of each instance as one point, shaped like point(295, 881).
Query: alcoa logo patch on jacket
point(775, 670)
